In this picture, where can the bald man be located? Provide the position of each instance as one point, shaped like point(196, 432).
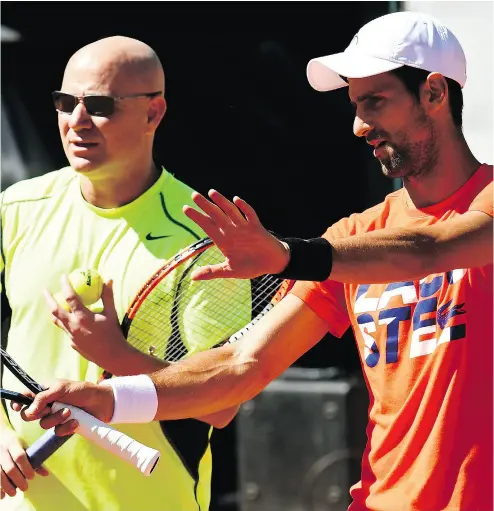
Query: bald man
point(113, 208)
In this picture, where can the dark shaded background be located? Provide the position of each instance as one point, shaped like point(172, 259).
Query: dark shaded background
point(241, 116)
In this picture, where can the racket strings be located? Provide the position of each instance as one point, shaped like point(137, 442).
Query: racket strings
point(235, 313)
point(151, 325)
point(180, 316)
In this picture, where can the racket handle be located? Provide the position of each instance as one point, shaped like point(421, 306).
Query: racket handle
point(44, 447)
point(142, 457)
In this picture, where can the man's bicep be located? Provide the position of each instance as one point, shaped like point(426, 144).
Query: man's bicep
point(464, 241)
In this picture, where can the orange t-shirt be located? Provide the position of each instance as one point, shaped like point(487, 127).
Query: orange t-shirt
point(426, 348)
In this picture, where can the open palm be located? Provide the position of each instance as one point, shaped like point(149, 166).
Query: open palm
point(249, 249)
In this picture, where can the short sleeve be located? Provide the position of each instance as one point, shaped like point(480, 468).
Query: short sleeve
point(484, 201)
point(327, 300)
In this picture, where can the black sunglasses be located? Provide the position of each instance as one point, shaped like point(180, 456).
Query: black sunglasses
point(100, 106)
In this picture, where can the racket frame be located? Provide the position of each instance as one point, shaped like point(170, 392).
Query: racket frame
point(178, 259)
point(142, 457)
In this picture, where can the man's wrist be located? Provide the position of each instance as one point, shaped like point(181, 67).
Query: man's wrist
point(310, 259)
point(135, 398)
point(286, 255)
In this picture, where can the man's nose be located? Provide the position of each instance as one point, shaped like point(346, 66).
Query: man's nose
point(79, 118)
point(360, 127)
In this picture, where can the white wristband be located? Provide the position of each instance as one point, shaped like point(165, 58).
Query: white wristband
point(136, 399)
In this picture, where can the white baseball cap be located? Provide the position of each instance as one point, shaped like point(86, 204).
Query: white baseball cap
point(389, 42)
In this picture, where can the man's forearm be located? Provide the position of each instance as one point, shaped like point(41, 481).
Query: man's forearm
point(129, 361)
point(396, 254)
point(203, 384)
point(132, 361)
point(379, 257)
point(393, 255)
point(211, 381)
point(228, 376)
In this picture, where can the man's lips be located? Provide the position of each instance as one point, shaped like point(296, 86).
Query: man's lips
point(82, 143)
point(376, 142)
point(379, 149)
point(79, 146)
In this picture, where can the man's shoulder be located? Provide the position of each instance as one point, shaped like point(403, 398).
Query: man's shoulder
point(370, 219)
point(173, 195)
point(381, 211)
point(173, 186)
point(389, 200)
point(39, 188)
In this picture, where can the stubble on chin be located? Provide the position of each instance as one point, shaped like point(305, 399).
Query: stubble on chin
point(413, 161)
point(394, 165)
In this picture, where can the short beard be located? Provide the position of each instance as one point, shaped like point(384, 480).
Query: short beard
point(413, 159)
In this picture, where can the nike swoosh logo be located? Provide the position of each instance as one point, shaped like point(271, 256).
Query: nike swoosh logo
point(150, 237)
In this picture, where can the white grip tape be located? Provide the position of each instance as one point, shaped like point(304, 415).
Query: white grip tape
point(143, 457)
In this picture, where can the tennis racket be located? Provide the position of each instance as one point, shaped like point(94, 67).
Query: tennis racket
point(142, 457)
point(172, 317)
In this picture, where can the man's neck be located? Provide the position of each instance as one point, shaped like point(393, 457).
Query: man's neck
point(115, 189)
point(454, 166)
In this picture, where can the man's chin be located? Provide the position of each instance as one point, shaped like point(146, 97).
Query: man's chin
point(391, 172)
point(83, 166)
point(392, 166)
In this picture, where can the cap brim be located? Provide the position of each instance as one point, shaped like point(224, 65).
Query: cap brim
point(324, 73)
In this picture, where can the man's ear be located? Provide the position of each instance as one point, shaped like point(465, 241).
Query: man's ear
point(156, 112)
point(434, 92)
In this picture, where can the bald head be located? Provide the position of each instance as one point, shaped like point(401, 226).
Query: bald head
point(119, 142)
point(115, 65)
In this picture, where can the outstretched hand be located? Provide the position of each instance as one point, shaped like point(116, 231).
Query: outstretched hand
point(249, 249)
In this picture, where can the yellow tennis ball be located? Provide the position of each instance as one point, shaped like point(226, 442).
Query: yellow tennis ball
point(88, 284)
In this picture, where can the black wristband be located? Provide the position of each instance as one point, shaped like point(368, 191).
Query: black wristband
point(309, 259)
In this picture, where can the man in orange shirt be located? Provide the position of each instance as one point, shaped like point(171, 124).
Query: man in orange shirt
point(412, 276)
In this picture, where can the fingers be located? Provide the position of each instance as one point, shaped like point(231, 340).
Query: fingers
point(71, 296)
point(25, 470)
point(41, 413)
point(42, 471)
point(53, 306)
point(38, 408)
point(15, 469)
point(67, 428)
point(7, 486)
point(59, 314)
point(227, 207)
point(67, 309)
point(213, 271)
point(109, 301)
point(54, 419)
point(70, 303)
point(202, 220)
point(217, 212)
point(247, 210)
point(221, 211)
point(210, 208)
point(17, 406)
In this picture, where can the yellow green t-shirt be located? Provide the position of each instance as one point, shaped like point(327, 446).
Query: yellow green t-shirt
point(48, 229)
